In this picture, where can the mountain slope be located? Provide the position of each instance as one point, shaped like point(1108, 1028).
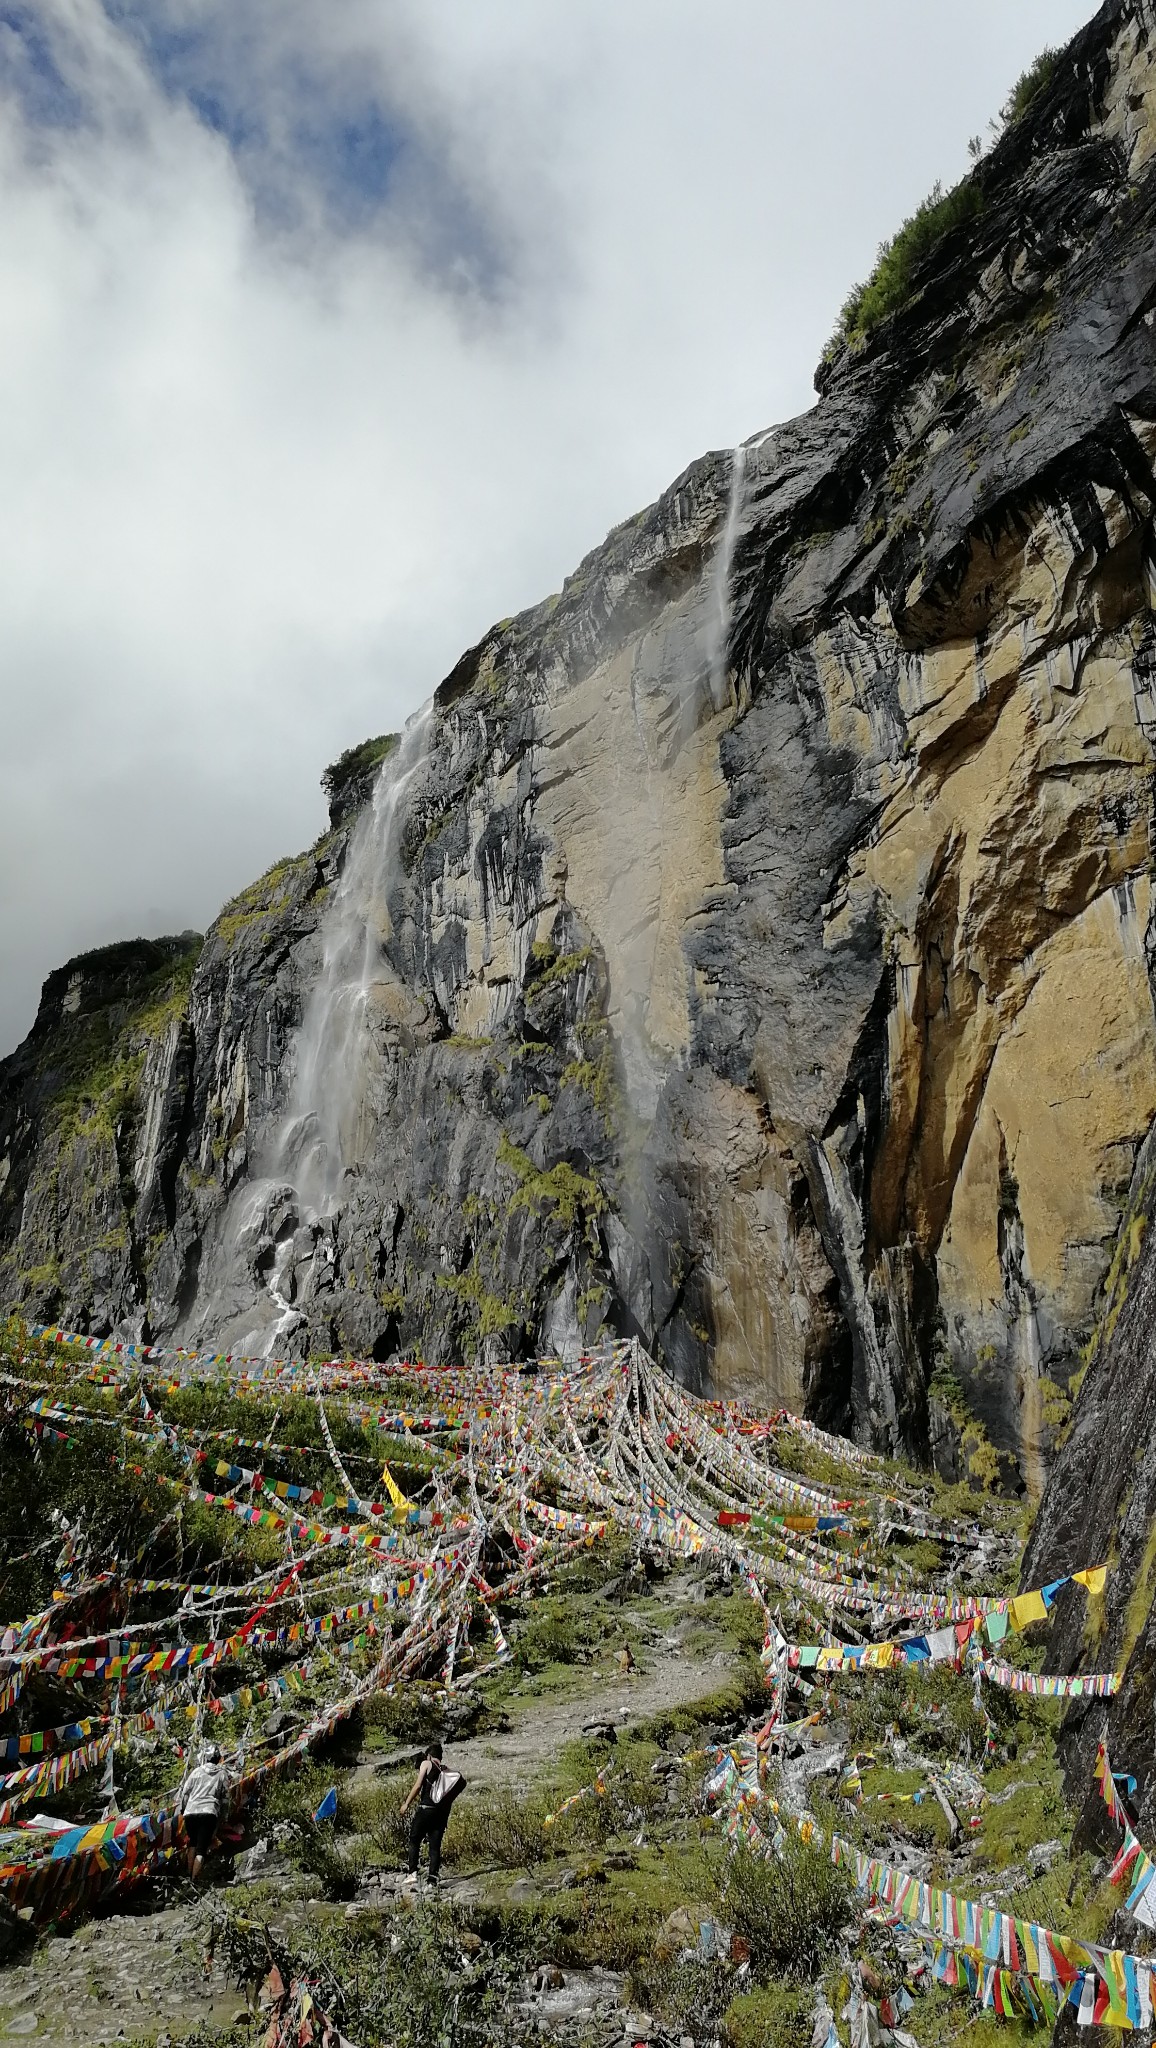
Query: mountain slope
point(749, 946)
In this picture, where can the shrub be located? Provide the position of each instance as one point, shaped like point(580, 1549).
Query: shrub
point(790, 1907)
point(1028, 84)
point(773, 2018)
point(890, 283)
point(500, 1826)
point(688, 1996)
point(320, 1855)
point(348, 781)
point(295, 1796)
point(406, 1983)
point(551, 1637)
point(406, 1715)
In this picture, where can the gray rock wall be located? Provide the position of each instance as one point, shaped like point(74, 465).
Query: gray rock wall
point(756, 951)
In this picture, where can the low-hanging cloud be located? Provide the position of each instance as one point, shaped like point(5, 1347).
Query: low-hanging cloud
point(329, 334)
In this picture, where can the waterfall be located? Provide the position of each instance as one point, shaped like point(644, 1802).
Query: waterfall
point(718, 630)
point(279, 1228)
point(317, 1139)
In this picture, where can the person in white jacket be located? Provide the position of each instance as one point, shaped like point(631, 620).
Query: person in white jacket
point(201, 1803)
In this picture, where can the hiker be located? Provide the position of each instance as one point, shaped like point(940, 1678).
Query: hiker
point(435, 1788)
point(201, 1801)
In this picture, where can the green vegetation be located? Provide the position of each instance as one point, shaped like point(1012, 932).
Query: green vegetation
point(790, 1910)
point(553, 966)
point(1028, 85)
point(431, 1984)
point(627, 1877)
point(351, 775)
point(263, 900)
point(491, 1314)
point(94, 1055)
point(891, 282)
point(560, 1188)
point(768, 2018)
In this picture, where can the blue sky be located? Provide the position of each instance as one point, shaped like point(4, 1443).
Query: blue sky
point(340, 330)
point(40, 85)
point(319, 130)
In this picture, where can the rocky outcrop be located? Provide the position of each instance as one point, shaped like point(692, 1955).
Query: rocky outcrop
point(756, 935)
point(1100, 1507)
point(93, 1125)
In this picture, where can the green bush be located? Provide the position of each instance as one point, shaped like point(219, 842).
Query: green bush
point(420, 1980)
point(553, 1636)
point(500, 1826)
point(320, 1855)
point(790, 1908)
point(689, 1997)
point(350, 777)
point(377, 1813)
point(296, 1794)
point(406, 1715)
point(1028, 84)
point(768, 2018)
point(890, 283)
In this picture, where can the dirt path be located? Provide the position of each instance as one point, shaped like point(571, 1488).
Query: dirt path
point(145, 1976)
point(543, 1727)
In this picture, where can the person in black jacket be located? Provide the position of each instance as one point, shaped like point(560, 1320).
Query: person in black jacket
point(435, 1788)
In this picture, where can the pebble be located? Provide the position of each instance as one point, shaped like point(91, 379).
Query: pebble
point(23, 2023)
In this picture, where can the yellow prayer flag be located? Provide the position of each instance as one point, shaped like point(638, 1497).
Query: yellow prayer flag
point(1028, 1607)
point(1095, 1579)
point(395, 1493)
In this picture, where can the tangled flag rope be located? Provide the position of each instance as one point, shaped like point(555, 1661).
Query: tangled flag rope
point(526, 1467)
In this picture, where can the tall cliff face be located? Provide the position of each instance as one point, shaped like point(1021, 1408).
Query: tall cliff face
point(751, 946)
point(1100, 1507)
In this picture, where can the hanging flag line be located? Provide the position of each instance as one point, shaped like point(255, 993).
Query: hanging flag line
point(1133, 1860)
point(52, 1409)
point(949, 1644)
point(542, 1466)
point(993, 1954)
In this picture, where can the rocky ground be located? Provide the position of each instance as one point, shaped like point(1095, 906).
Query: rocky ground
point(609, 1924)
point(146, 1974)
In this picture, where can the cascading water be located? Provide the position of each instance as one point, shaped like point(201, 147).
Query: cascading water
point(278, 1218)
point(718, 630)
point(681, 684)
point(318, 1138)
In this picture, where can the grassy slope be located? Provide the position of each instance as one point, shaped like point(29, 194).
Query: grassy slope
point(595, 1888)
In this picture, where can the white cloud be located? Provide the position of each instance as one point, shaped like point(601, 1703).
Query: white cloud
point(268, 467)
